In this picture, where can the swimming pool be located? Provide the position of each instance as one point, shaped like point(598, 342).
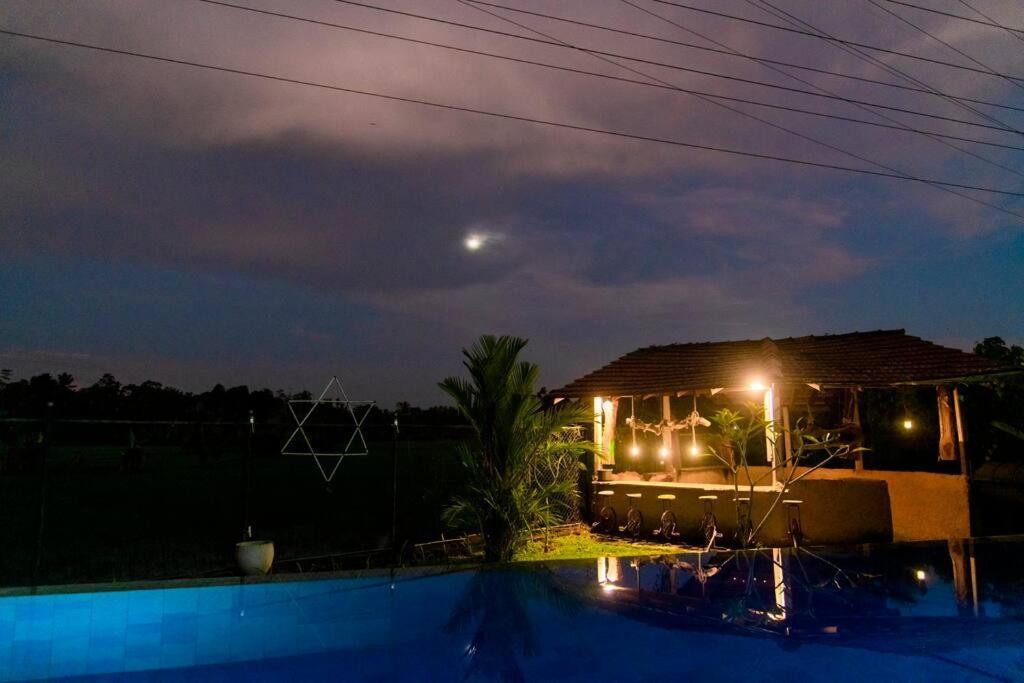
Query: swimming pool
point(928, 612)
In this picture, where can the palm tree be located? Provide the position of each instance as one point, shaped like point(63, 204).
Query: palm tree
point(510, 460)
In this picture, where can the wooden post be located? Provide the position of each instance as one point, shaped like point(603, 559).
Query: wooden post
point(667, 435)
point(769, 432)
point(961, 438)
point(598, 433)
point(611, 415)
point(858, 458)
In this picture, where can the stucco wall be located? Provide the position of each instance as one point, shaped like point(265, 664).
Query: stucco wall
point(840, 505)
point(832, 512)
point(925, 506)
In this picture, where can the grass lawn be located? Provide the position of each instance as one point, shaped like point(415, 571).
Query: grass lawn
point(587, 546)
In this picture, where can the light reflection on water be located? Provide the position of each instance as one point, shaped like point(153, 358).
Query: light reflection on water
point(940, 611)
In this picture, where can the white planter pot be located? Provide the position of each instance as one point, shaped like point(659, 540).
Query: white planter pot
point(254, 557)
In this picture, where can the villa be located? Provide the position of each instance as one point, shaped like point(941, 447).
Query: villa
point(651, 408)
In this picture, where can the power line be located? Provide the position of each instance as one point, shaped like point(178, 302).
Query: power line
point(899, 124)
point(678, 67)
point(943, 42)
point(794, 20)
point(515, 117)
point(991, 22)
point(866, 46)
point(583, 72)
point(1015, 32)
point(733, 53)
point(772, 124)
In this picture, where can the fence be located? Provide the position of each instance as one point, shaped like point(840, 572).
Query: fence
point(102, 500)
point(111, 500)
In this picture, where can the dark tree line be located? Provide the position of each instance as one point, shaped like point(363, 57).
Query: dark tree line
point(60, 397)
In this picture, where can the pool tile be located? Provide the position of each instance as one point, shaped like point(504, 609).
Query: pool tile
point(177, 655)
point(145, 607)
point(30, 659)
point(33, 629)
point(181, 600)
point(179, 628)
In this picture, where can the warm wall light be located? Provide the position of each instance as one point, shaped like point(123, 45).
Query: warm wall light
point(921, 575)
point(663, 452)
point(694, 450)
point(757, 385)
point(908, 424)
point(634, 451)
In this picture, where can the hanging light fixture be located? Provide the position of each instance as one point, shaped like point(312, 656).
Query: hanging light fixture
point(907, 423)
point(634, 449)
point(694, 450)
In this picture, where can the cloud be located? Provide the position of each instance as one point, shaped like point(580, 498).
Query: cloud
point(606, 243)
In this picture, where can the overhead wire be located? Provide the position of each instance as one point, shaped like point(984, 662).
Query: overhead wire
point(854, 155)
point(514, 117)
point(678, 67)
point(991, 22)
point(733, 53)
point(584, 72)
point(1015, 32)
point(939, 40)
point(794, 20)
point(781, 71)
point(866, 46)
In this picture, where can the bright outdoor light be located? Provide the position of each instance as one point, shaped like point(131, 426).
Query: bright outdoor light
point(634, 451)
point(908, 424)
point(921, 575)
point(757, 385)
point(694, 450)
point(663, 452)
point(473, 242)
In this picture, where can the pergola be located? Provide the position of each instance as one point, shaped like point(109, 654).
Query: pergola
point(773, 368)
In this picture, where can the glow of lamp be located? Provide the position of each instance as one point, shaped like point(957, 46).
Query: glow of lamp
point(634, 451)
point(757, 385)
point(663, 452)
point(473, 242)
point(921, 575)
point(908, 424)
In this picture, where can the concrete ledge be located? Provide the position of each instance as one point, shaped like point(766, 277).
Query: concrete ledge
point(398, 575)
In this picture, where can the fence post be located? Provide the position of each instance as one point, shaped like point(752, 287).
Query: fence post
point(247, 479)
point(394, 486)
point(41, 526)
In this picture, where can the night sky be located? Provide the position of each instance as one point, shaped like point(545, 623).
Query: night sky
point(159, 221)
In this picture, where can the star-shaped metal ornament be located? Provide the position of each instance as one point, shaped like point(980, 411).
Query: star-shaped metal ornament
point(294, 444)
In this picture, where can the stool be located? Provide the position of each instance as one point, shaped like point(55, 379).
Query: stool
point(634, 519)
point(793, 524)
point(607, 521)
point(667, 530)
point(709, 524)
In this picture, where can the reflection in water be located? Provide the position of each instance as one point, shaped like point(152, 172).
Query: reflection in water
point(886, 598)
point(494, 613)
point(921, 599)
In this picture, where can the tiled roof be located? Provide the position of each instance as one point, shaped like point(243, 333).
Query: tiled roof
point(870, 359)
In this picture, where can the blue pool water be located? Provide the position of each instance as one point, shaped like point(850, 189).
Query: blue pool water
point(931, 612)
